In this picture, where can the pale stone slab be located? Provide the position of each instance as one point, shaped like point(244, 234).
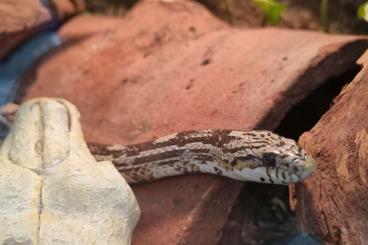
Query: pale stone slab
point(52, 191)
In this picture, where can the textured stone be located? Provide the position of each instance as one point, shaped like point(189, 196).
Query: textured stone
point(18, 18)
point(21, 18)
point(85, 26)
point(51, 188)
point(22, 14)
point(333, 203)
point(64, 9)
point(172, 66)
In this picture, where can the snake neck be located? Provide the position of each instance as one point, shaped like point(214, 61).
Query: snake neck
point(205, 151)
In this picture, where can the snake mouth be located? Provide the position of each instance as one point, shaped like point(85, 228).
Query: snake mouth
point(308, 168)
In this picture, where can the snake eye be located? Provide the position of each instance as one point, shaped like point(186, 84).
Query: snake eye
point(269, 159)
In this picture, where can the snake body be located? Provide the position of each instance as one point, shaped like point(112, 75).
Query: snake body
point(260, 156)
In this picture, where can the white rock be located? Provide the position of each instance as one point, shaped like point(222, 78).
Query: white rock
point(52, 191)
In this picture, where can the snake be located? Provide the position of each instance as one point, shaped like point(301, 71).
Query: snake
point(257, 155)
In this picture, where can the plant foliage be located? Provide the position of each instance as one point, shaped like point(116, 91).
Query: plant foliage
point(362, 11)
point(324, 15)
point(271, 9)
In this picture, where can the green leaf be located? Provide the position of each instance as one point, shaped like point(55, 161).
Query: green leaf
point(271, 9)
point(324, 6)
point(362, 11)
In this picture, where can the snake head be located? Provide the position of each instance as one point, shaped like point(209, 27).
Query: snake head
point(283, 159)
point(287, 167)
point(269, 158)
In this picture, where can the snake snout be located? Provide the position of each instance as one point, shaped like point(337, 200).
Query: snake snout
point(308, 167)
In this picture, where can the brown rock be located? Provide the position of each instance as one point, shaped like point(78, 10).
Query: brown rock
point(333, 204)
point(22, 14)
point(20, 19)
point(67, 8)
point(17, 20)
point(171, 66)
point(85, 25)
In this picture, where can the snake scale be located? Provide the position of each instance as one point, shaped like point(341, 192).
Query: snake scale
point(258, 155)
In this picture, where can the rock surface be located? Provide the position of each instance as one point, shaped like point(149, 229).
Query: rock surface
point(51, 188)
point(172, 66)
point(64, 9)
point(85, 26)
point(18, 18)
point(333, 202)
point(22, 18)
